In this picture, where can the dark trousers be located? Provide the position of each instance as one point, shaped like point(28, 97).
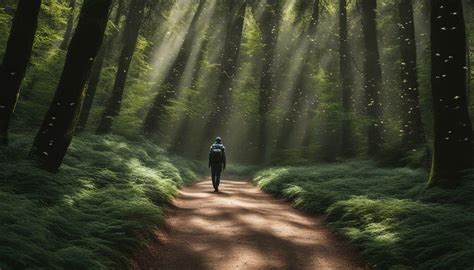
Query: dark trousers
point(216, 170)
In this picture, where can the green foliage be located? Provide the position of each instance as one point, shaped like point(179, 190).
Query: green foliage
point(328, 116)
point(388, 214)
point(46, 62)
point(322, 113)
point(239, 171)
point(104, 203)
point(139, 89)
point(407, 234)
point(110, 191)
point(469, 10)
point(5, 22)
point(395, 154)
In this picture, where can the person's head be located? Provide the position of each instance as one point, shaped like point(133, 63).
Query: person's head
point(218, 139)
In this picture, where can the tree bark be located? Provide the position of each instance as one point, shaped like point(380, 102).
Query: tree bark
point(131, 32)
point(179, 143)
point(57, 130)
point(169, 88)
point(15, 60)
point(372, 77)
point(345, 66)
point(221, 104)
point(426, 11)
point(97, 70)
point(298, 97)
point(269, 25)
point(69, 27)
point(452, 149)
point(412, 127)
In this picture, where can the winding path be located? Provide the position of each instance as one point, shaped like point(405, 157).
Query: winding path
point(242, 228)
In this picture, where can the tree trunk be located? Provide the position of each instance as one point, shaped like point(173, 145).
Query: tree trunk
point(269, 27)
point(452, 149)
point(56, 132)
point(372, 77)
point(426, 11)
point(179, 143)
point(169, 88)
point(97, 70)
point(16, 59)
point(298, 97)
point(131, 32)
point(412, 127)
point(221, 105)
point(347, 142)
point(69, 27)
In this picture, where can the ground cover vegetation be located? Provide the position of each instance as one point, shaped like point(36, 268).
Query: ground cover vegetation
point(360, 109)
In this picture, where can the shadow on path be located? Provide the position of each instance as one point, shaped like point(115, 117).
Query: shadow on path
point(242, 228)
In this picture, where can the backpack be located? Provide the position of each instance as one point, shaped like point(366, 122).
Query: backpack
point(217, 154)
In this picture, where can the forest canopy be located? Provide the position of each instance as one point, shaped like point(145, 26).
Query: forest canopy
point(284, 82)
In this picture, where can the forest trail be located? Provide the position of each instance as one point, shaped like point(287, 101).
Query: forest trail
point(242, 228)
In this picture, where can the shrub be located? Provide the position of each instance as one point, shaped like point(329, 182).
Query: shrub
point(388, 214)
point(108, 195)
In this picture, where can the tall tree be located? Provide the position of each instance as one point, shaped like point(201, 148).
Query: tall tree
point(298, 97)
point(97, 68)
point(426, 11)
point(269, 26)
point(372, 76)
point(57, 130)
point(179, 143)
point(130, 36)
point(69, 26)
point(412, 127)
point(169, 88)
point(347, 142)
point(228, 67)
point(452, 149)
point(15, 60)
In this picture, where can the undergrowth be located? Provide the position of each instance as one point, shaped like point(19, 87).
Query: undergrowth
point(239, 171)
point(387, 214)
point(105, 200)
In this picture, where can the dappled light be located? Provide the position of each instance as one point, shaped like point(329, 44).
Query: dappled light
point(269, 233)
point(236, 134)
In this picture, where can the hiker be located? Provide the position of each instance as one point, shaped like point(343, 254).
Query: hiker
point(216, 162)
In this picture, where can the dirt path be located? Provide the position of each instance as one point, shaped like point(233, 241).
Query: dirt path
point(243, 228)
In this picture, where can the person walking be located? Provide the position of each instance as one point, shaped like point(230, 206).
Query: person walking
point(217, 162)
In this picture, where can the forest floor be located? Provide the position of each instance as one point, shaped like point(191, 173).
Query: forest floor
point(242, 227)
